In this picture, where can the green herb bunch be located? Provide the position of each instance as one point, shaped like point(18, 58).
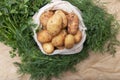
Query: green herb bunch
point(16, 31)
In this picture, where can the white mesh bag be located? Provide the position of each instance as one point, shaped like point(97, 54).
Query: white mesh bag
point(66, 6)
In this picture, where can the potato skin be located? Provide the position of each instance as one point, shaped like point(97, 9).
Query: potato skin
point(78, 36)
point(54, 25)
point(58, 41)
point(48, 48)
point(61, 47)
point(43, 36)
point(63, 33)
point(69, 41)
point(64, 18)
point(45, 17)
point(73, 23)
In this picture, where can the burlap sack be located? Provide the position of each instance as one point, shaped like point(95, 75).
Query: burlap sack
point(66, 6)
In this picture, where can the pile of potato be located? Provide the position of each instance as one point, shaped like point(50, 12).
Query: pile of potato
point(59, 30)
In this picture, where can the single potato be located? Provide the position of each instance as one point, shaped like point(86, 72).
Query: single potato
point(64, 18)
point(58, 41)
point(48, 48)
point(73, 23)
point(69, 41)
point(45, 17)
point(54, 25)
point(43, 36)
point(78, 36)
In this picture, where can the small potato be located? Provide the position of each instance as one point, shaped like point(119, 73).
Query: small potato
point(43, 36)
point(45, 17)
point(54, 25)
point(78, 36)
point(69, 41)
point(64, 18)
point(73, 23)
point(48, 48)
point(58, 41)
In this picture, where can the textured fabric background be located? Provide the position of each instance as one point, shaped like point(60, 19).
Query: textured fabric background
point(95, 67)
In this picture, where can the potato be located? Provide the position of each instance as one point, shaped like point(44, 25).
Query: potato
point(43, 36)
point(69, 41)
point(58, 41)
point(48, 48)
point(64, 18)
point(73, 23)
point(45, 17)
point(78, 36)
point(54, 25)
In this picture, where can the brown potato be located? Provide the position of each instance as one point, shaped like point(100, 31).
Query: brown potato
point(69, 41)
point(43, 36)
point(73, 23)
point(78, 36)
point(48, 48)
point(64, 18)
point(54, 25)
point(58, 41)
point(45, 17)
